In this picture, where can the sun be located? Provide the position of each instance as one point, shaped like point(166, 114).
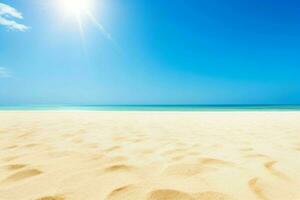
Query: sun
point(81, 11)
point(76, 8)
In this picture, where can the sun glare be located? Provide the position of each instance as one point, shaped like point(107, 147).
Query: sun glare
point(81, 11)
point(76, 8)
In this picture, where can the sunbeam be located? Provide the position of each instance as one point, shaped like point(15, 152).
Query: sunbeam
point(80, 10)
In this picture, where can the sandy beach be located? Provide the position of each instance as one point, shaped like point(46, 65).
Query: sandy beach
point(82, 155)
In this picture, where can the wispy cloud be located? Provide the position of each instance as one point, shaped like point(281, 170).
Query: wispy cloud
point(7, 15)
point(4, 73)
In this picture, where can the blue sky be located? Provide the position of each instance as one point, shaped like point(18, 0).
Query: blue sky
point(160, 52)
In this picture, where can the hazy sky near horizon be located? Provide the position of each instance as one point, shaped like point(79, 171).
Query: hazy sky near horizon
point(151, 52)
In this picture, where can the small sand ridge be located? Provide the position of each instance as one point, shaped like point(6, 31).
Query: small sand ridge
point(21, 175)
point(132, 192)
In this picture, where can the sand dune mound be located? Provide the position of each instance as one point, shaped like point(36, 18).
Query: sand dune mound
point(15, 166)
point(169, 195)
point(58, 197)
point(23, 175)
point(119, 168)
point(270, 167)
point(178, 195)
point(257, 189)
point(128, 192)
point(216, 162)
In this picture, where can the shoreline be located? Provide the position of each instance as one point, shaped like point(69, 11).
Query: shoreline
point(156, 108)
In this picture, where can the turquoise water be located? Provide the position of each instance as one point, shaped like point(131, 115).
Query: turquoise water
point(161, 108)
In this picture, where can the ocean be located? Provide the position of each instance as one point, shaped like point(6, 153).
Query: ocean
point(155, 107)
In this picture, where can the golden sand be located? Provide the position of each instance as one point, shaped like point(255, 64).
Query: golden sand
point(80, 155)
